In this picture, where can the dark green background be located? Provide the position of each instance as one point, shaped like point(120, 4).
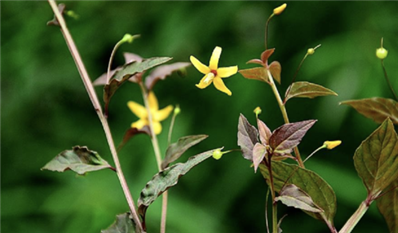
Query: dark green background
point(46, 110)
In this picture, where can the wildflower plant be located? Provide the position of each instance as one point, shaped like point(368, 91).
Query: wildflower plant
point(274, 153)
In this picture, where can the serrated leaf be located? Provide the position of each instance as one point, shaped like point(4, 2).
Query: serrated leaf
point(306, 90)
point(131, 132)
point(175, 150)
point(80, 160)
point(288, 136)
point(293, 196)
point(247, 137)
point(376, 159)
point(275, 68)
point(122, 224)
point(377, 109)
point(264, 132)
point(259, 152)
point(167, 178)
point(257, 73)
point(388, 207)
point(161, 72)
point(308, 181)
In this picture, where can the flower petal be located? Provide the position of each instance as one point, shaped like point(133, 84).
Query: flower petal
point(153, 102)
point(139, 124)
point(162, 114)
point(137, 109)
point(199, 65)
point(206, 81)
point(157, 127)
point(219, 84)
point(227, 71)
point(214, 58)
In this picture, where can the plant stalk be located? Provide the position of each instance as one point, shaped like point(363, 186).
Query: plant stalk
point(284, 113)
point(388, 81)
point(354, 219)
point(274, 204)
point(97, 106)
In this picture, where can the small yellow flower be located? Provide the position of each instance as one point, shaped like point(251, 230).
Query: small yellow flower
point(212, 73)
point(157, 115)
point(280, 9)
point(331, 144)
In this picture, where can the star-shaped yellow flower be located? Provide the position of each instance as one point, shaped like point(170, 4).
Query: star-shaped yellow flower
point(157, 115)
point(212, 73)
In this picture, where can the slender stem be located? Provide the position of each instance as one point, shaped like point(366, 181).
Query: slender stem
point(94, 99)
point(120, 42)
point(274, 204)
point(266, 211)
point(156, 149)
point(266, 30)
point(309, 156)
point(388, 81)
point(284, 113)
point(171, 127)
point(354, 219)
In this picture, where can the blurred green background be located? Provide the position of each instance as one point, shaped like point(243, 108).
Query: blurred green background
point(46, 110)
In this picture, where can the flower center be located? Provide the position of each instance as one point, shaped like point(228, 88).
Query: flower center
point(214, 72)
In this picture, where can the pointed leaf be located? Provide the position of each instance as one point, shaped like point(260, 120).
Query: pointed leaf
point(166, 179)
point(376, 159)
point(293, 196)
point(79, 160)
point(288, 136)
point(247, 137)
point(377, 109)
point(266, 54)
point(161, 72)
point(264, 132)
point(258, 73)
point(122, 224)
point(307, 90)
point(131, 132)
point(259, 152)
point(275, 68)
point(388, 207)
point(131, 57)
point(256, 61)
point(175, 150)
point(309, 182)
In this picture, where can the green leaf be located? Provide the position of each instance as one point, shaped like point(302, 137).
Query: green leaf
point(293, 196)
point(247, 137)
point(288, 136)
point(161, 72)
point(388, 207)
point(308, 181)
point(166, 179)
point(122, 224)
point(376, 159)
point(80, 160)
point(175, 150)
point(377, 109)
point(307, 90)
point(258, 73)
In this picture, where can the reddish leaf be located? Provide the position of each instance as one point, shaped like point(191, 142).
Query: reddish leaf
point(264, 132)
point(258, 73)
point(256, 61)
point(259, 152)
point(247, 137)
point(377, 109)
point(131, 132)
point(288, 136)
point(307, 90)
point(131, 57)
point(266, 54)
point(275, 68)
point(161, 72)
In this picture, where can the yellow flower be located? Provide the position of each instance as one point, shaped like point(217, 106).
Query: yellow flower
point(331, 144)
point(157, 115)
point(212, 73)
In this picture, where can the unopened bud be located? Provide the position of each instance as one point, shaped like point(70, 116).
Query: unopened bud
point(257, 111)
point(217, 154)
point(177, 110)
point(381, 53)
point(280, 9)
point(331, 144)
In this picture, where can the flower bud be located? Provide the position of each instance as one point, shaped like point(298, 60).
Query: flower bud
point(217, 154)
point(257, 111)
point(381, 53)
point(331, 144)
point(311, 51)
point(280, 9)
point(177, 110)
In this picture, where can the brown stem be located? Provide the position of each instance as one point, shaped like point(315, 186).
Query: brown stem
point(388, 80)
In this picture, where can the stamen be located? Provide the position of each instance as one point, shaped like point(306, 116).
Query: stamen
point(209, 77)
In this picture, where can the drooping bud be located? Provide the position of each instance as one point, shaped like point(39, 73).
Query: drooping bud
point(280, 9)
point(331, 144)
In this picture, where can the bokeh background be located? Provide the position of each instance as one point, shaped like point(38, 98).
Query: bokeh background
point(46, 110)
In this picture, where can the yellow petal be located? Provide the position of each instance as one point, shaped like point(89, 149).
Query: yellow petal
point(206, 81)
point(199, 65)
point(219, 84)
point(153, 102)
point(331, 144)
point(214, 58)
point(227, 71)
point(137, 109)
point(139, 124)
point(157, 127)
point(162, 114)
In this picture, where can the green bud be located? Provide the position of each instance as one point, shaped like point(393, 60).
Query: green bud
point(257, 111)
point(381, 53)
point(128, 38)
point(177, 110)
point(217, 154)
point(310, 51)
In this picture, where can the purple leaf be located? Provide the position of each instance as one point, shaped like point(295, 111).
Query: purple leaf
point(247, 137)
point(264, 131)
point(161, 72)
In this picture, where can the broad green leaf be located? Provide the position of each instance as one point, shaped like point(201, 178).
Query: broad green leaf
point(275, 68)
point(293, 196)
point(175, 150)
point(308, 181)
point(258, 73)
point(126, 72)
point(122, 224)
point(259, 152)
point(167, 178)
point(307, 90)
point(131, 132)
point(80, 160)
point(377, 109)
point(161, 72)
point(247, 137)
point(376, 159)
point(388, 206)
point(288, 136)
